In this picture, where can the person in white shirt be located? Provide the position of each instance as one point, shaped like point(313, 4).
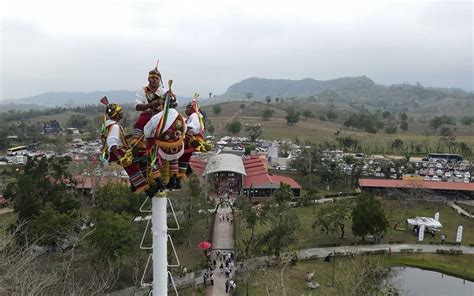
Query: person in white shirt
point(149, 101)
point(194, 138)
point(116, 148)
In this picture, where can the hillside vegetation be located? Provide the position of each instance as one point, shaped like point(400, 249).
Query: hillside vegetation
point(357, 92)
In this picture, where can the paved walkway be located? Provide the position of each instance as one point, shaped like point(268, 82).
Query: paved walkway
point(223, 240)
point(314, 253)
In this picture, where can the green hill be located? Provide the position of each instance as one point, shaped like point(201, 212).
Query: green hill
point(357, 93)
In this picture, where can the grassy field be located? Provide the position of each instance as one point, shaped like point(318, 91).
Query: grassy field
point(318, 131)
point(294, 276)
point(396, 212)
point(311, 129)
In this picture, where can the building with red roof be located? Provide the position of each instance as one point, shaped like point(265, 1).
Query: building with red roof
point(387, 184)
point(244, 175)
point(85, 184)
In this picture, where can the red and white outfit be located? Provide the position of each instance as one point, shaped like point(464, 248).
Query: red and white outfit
point(142, 98)
point(194, 128)
point(115, 137)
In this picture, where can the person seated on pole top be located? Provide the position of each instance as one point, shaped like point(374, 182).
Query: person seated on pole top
point(194, 141)
point(149, 101)
point(165, 133)
point(116, 149)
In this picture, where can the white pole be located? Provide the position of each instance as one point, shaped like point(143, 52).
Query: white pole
point(160, 244)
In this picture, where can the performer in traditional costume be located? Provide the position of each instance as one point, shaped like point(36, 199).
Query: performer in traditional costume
point(194, 141)
point(165, 134)
point(149, 100)
point(116, 149)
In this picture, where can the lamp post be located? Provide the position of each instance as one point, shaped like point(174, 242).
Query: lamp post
point(310, 167)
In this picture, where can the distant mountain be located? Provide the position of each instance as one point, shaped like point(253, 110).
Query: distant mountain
point(5, 107)
point(354, 92)
point(261, 87)
point(71, 99)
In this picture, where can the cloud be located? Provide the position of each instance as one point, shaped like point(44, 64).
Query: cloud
point(207, 45)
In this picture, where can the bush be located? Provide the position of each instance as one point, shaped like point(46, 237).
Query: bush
point(374, 252)
point(450, 252)
point(329, 245)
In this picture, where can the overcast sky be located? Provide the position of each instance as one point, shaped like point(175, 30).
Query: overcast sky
point(207, 45)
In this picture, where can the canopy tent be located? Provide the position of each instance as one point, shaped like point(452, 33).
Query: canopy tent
point(428, 222)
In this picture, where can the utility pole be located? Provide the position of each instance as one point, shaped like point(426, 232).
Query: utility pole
point(310, 166)
point(160, 245)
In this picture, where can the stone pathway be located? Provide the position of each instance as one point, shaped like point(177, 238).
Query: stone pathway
point(224, 241)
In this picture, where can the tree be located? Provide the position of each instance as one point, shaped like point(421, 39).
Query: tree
point(209, 127)
point(391, 130)
point(248, 96)
point(253, 216)
point(43, 182)
point(268, 99)
point(368, 216)
point(403, 116)
point(189, 200)
point(404, 125)
point(465, 150)
point(364, 120)
point(438, 121)
point(277, 100)
point(118, 199)
point(386, 114)
point(308, 114)
point(331, 115)
point(112, 239)
point(445, 132)
point(349, 143)
point(216, 109)
point(396, 144)
point(77, 121)
point(49, 226)
point(283, 222)
point(332, 217)
point(364, 275)
point(254, 131)
point(234, 126)
point(329, 172)
point(292, 117)
point(466, 120)
point(267, 114)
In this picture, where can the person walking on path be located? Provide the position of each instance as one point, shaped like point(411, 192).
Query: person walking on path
point(223, 240)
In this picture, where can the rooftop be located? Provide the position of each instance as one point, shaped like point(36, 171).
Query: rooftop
point(414, 184)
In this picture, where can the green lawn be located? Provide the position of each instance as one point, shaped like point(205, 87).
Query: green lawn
point(318, 131)
point(396, 212)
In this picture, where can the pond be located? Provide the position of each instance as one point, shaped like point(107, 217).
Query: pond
point(414, 281)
